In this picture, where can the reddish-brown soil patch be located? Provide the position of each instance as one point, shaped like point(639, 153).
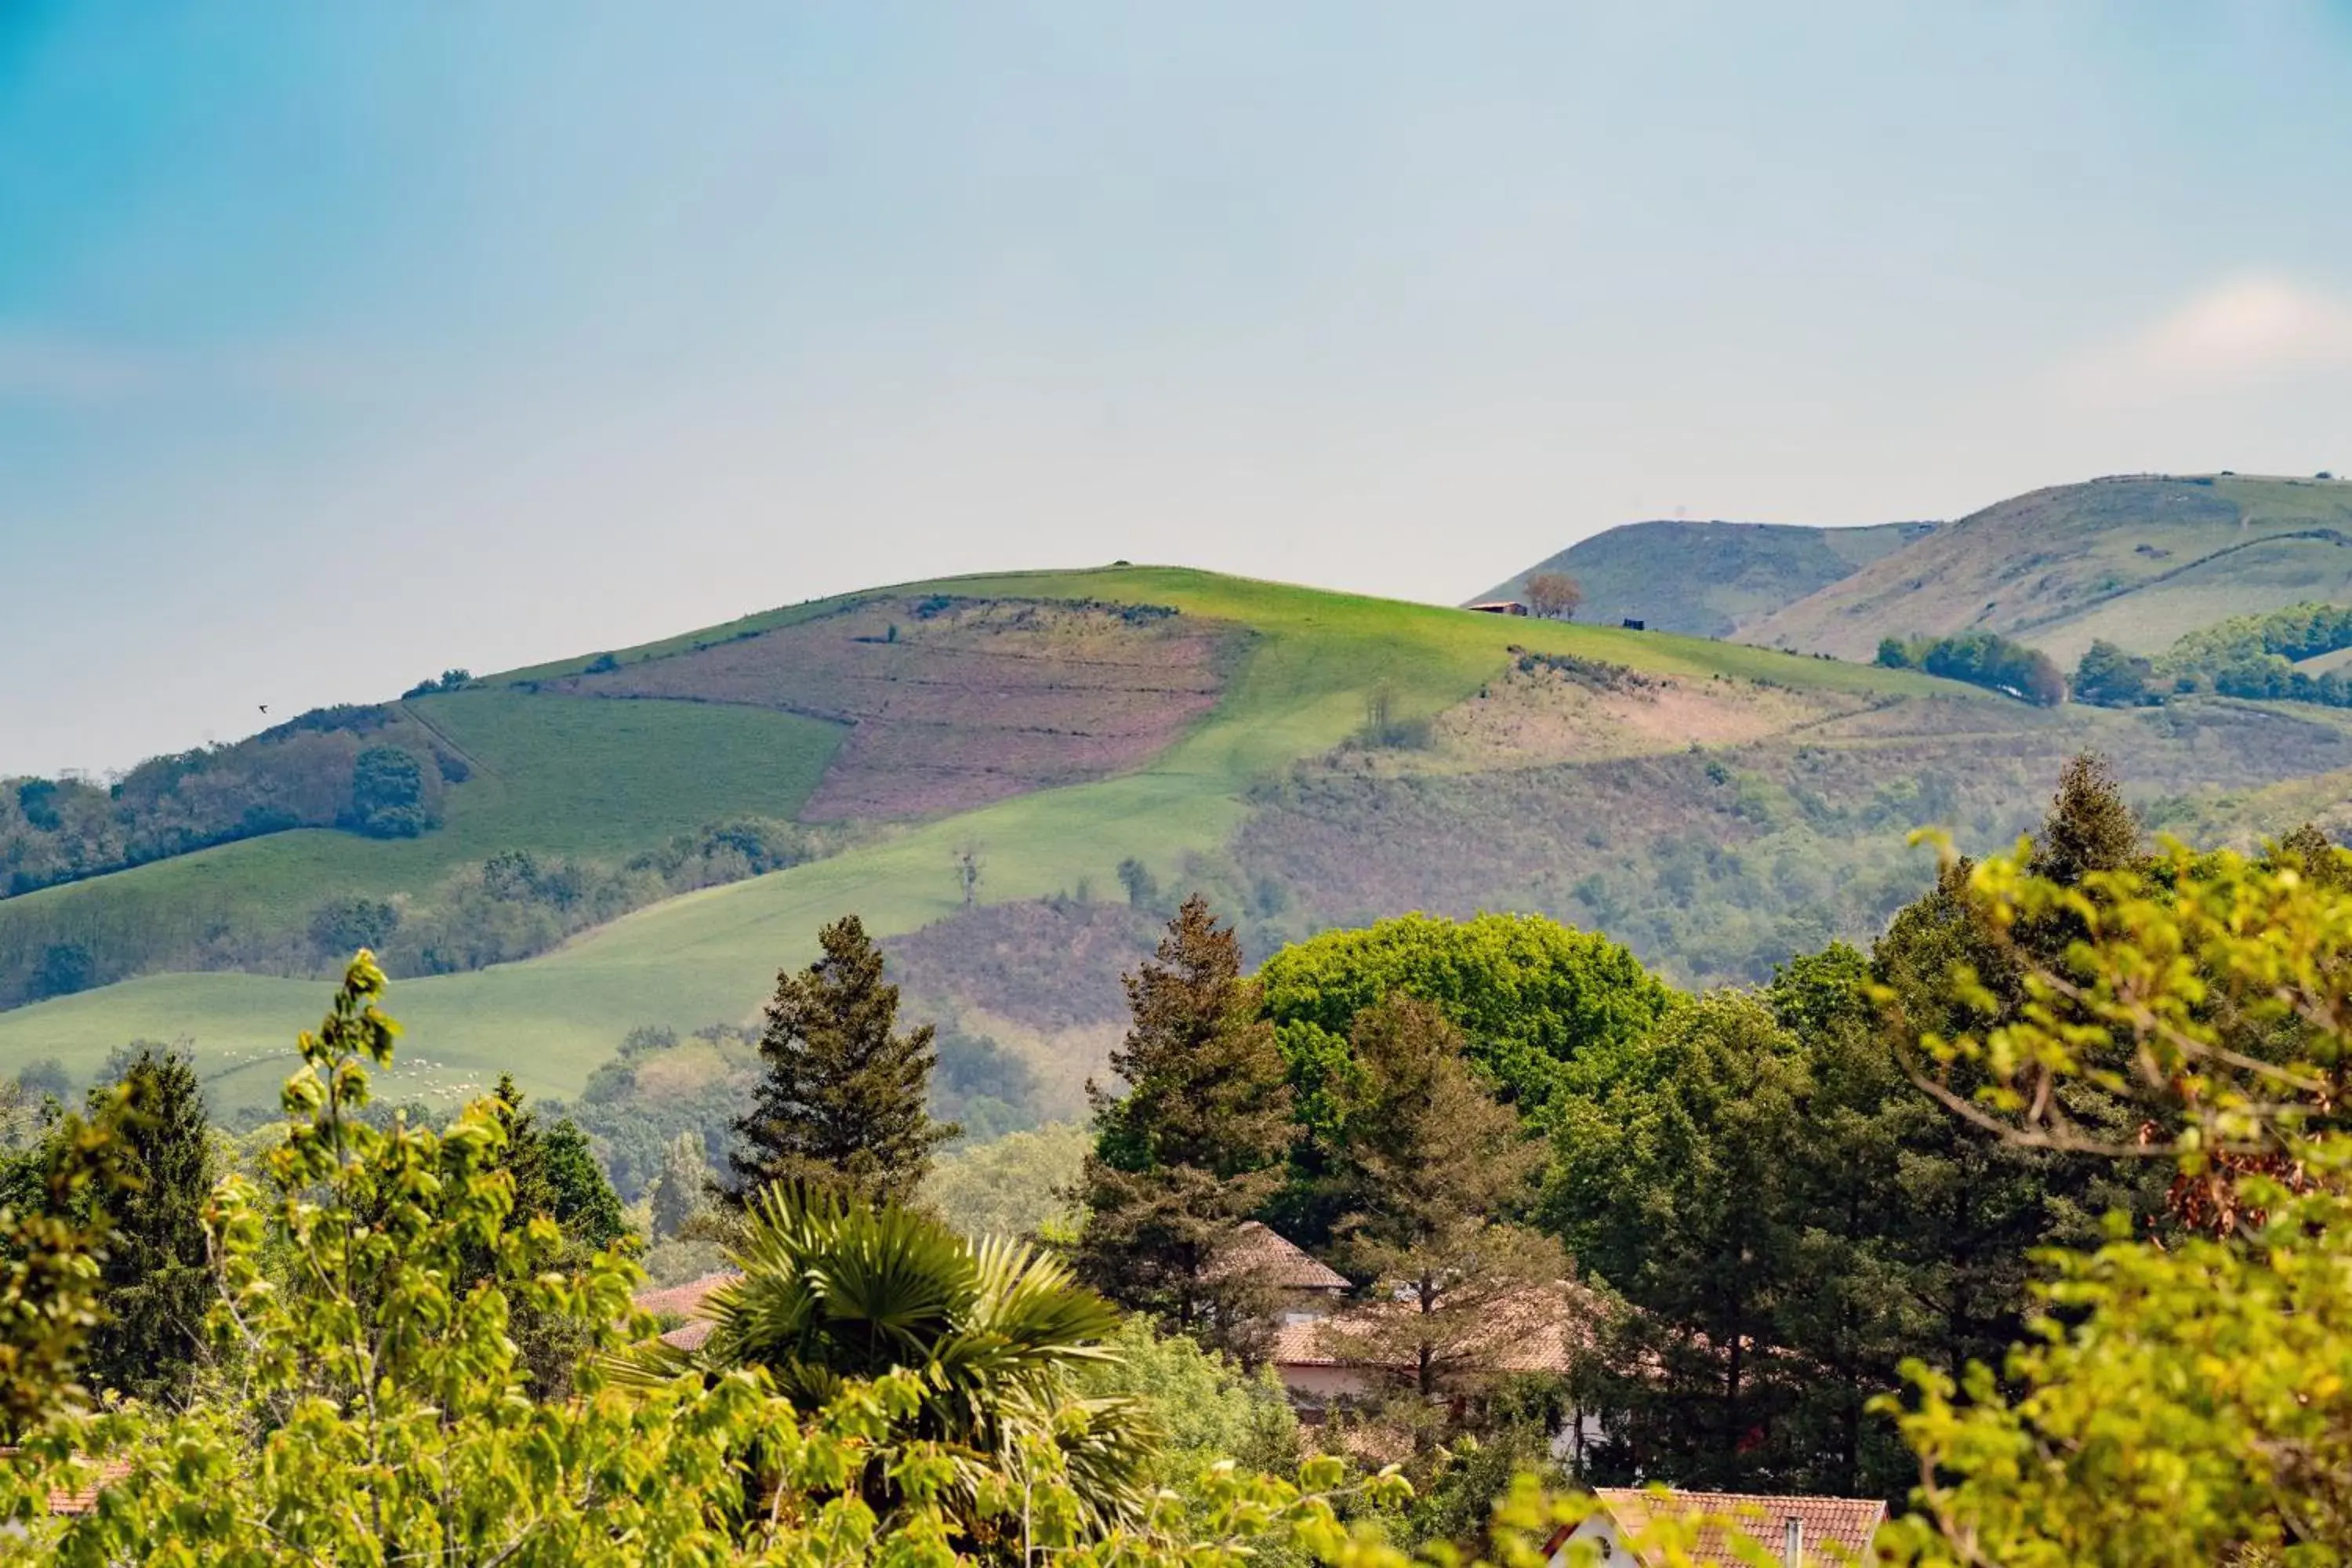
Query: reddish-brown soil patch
point(958, 702)
point(1051, 965)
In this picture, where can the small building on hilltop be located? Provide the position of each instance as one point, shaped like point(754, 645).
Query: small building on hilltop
point(1798, 1532)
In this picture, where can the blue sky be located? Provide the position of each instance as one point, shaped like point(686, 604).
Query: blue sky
point(340, 344)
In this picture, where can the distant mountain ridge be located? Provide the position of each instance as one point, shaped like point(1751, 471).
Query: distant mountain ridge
point(2137, 559)
point(1710, 579)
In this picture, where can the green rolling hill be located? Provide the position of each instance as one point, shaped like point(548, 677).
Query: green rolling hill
point(557, 772)
point(1306, 758)
point(1709, 579)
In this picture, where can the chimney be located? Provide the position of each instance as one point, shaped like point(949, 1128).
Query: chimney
point(1792, 1543)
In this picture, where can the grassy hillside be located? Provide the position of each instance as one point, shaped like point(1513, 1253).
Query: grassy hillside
point(1313, 664)
point(1709, 579)
point(597, 779)
point(2136, 560)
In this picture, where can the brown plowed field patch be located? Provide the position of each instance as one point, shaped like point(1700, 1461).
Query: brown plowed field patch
point(955, 703)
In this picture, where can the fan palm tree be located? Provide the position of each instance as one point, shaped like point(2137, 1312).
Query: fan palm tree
point(835, 1289)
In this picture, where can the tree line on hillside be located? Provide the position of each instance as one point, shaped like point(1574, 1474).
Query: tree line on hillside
point(513, 905)
point(1980, 659)
point(1768, 1215)
point(366, 770)
point(2246, 656)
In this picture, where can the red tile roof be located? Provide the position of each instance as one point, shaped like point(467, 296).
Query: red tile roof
point(1541, 1329)
point(689, 1336)
point(82, 1498)
point(1838, 1531)
point(1255, 1250)
point(689, 1301)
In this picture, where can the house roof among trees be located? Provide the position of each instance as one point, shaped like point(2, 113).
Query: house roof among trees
point(1837, 1529)
point(1541, 1329)
point(82, 1496)
point(1259, 1250)
point(689, 1301)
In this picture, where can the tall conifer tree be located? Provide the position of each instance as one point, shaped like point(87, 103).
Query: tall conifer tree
point(1436, 1170)
point(843, 1101)
point(156, 1279)
point(1195, 1146)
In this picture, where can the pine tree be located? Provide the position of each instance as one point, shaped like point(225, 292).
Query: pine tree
point(1854, 1310)
point(844, 1098)
point(1436, 1169)
point(1195, 1146)
point(1977, 1204)
point(2089, 827)
point(156, 1280)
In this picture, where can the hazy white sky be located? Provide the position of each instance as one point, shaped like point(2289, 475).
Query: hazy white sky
point(340, 344)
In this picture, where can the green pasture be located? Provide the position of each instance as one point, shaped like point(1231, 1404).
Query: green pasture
point(572, 776)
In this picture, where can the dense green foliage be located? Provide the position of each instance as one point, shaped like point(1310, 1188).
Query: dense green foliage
point(2296, 633)
point(1981, 659)
point(1428, 1180)
point(372, 1406)
point(1530, 995)
point(2246, 656)
point(1676, 1189)
point(1789, 1214)
point(1017, 1185)
point(53, 1230)
point(635, 1127)
point(981, 1086)
point(2113, 678)
point(155, 1281)
point(2180, 1400)
point(833, 1290)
